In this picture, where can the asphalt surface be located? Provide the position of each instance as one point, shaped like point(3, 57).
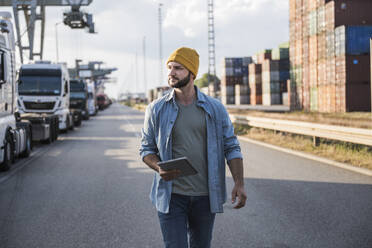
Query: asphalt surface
point(90, 189)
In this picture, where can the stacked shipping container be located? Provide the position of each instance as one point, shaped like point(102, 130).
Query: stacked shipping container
point(275, 73)
point(255, 83)
point(329, 55)
point(234, 72)
point(261, 82)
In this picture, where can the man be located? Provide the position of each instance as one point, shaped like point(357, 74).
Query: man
point(185, 122)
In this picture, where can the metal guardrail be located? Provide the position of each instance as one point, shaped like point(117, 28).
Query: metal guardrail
point(348, 134)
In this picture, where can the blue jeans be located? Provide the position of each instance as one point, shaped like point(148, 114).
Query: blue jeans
point(189, 216)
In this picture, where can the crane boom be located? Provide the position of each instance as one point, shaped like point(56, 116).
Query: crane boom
point(49, 2)
point(34, 10)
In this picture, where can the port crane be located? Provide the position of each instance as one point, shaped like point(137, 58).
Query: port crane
point(34, 10)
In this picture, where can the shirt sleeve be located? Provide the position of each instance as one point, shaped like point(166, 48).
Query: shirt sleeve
point(230, 142)
point(148, 142)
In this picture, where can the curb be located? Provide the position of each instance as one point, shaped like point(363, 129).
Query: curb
point(349, 167)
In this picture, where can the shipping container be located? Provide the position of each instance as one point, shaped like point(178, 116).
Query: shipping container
point(280, 53)
point(271, 99)
point(321, 24)
point(352, 40)
point(228, 90)
point(227, 99)
point(352, 68)
point(265, 54)
point(242, 94)
point(313, 75)
point(358, 96)
point(342, 12)
point(313, 49)
point(292, 10)
point(321, 39)
point(311, 5)
point(247, 61)
point(313, 25)
point(330, 44)
point(242, 99)
point(231, 80)
point(314, 99)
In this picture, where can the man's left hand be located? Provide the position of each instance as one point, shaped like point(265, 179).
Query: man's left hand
point(238, 191)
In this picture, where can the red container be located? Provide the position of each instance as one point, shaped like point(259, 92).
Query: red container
point(256, 94)
point(298, 52)
point(313, 49)
point(352, 68)
point(322, 75)
point(261, 57)
point(321, 98)
point(292, 9)
point(321, 47)
point(358, 96)
point(231, 80)
point(348, 12)
point(331, 71)
point(312, 5)
point(313, 77)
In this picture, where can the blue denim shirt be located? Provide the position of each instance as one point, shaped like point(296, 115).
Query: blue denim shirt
point(221, 143)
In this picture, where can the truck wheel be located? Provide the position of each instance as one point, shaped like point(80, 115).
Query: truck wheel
point(54, 131)
point(28, 132)
point(56, 127)
point(71, 125)
point(5, 165)
point(28, 149)
point(78, 122)
point(50, 138)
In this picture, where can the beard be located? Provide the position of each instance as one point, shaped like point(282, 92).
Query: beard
point(181, 83)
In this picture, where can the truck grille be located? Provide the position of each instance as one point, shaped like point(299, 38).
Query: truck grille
point(39, 105)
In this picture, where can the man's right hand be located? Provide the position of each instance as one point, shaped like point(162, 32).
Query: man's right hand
point(169, 174)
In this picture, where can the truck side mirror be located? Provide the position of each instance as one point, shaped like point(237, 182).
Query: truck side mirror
point(66, 88)
point(17, 116)
point(2, 69)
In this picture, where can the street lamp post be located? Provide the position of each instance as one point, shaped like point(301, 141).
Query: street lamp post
point(57, 52)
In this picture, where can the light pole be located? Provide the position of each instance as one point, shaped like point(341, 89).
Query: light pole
point(57, 54)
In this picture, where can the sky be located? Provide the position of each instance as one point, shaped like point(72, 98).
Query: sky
point(242, 28)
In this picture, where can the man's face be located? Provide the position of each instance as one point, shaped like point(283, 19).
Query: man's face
point(178, 75)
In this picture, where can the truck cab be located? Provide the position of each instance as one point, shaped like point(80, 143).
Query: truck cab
point(44, 87)
point(79, 97)
point(15, 136)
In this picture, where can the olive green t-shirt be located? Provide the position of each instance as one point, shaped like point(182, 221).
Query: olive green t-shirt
point(189, 138)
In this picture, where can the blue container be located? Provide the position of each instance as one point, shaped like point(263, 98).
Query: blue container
point(283, 75)
point(353, 40)
point(237, 62)
point(237, 71)
point(245, 70)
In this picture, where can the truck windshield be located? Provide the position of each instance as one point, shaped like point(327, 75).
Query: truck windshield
point(40, 85)
point(77, 86)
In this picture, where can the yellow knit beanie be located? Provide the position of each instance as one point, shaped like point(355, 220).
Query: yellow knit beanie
point(187, 57)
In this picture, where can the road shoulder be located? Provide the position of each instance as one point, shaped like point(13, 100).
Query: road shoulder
point(309, 156)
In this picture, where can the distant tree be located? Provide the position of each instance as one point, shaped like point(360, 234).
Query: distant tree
point(203, 81)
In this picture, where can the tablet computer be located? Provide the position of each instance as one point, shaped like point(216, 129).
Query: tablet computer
point(182, 164)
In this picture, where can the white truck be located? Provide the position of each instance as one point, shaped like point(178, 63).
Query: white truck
point(44, 89)
point(15, 134)
point(92, 104)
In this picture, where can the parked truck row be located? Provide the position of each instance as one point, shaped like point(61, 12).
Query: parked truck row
point(38, 102)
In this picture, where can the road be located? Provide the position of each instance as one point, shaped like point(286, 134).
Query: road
point(90, 189)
